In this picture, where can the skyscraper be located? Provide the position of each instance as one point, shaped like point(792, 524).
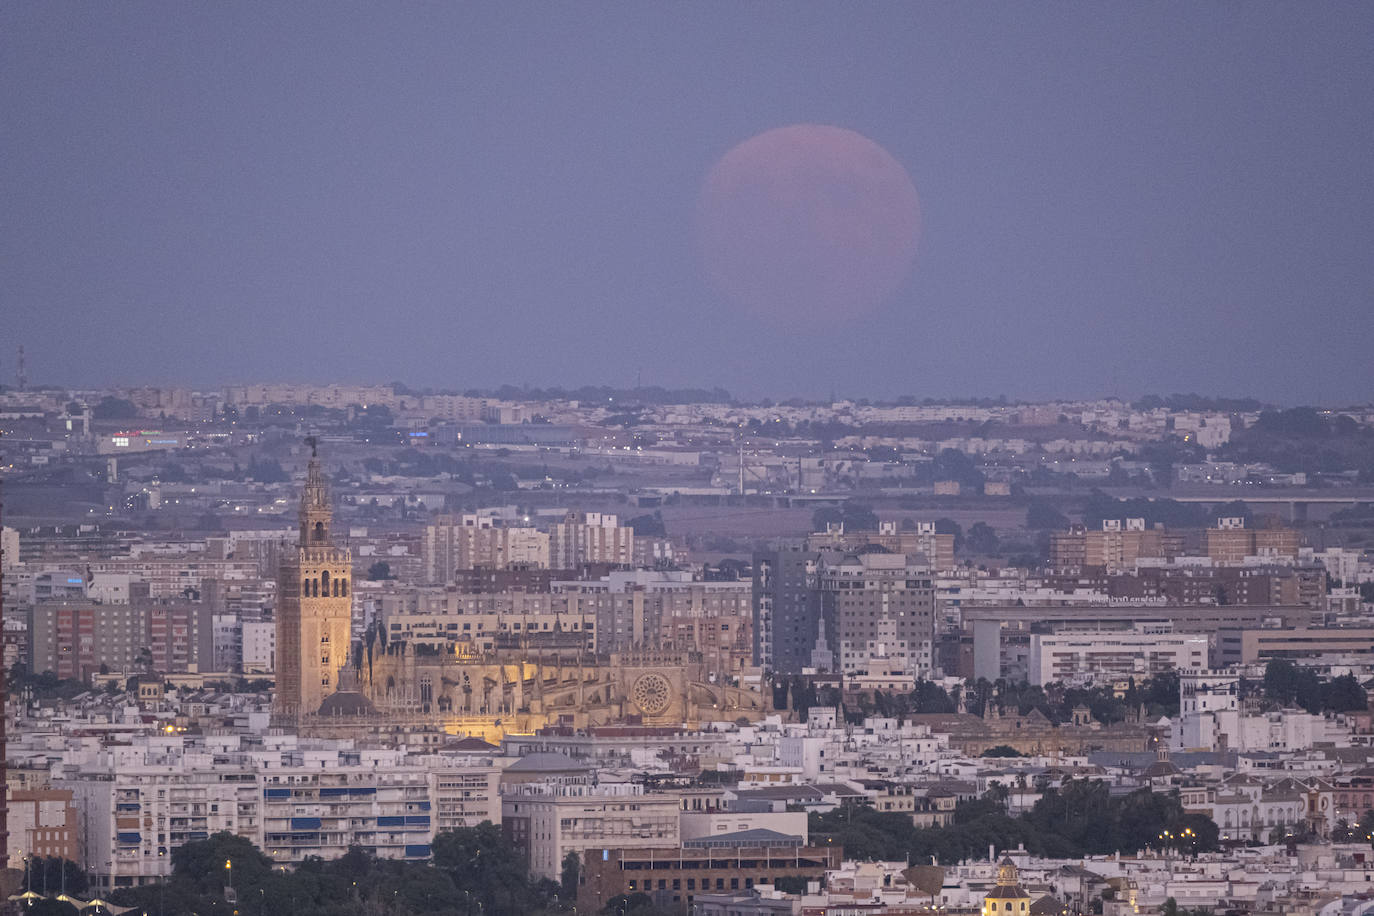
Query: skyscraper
point(314, 607)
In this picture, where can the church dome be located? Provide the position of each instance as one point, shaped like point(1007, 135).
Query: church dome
point(347, 703)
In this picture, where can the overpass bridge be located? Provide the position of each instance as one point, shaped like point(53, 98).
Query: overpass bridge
point(1299, 503)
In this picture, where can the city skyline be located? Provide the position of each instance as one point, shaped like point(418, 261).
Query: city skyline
point(717, 459)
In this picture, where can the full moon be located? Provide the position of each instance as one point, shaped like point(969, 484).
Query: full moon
point(808, 223)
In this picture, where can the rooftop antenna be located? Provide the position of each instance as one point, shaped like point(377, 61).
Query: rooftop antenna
point(21, 371)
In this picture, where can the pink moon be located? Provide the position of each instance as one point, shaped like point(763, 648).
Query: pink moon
point(808, 223)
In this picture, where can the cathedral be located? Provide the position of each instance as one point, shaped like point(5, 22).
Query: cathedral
point(328, 683)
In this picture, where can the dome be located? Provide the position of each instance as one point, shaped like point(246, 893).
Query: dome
point(347, 703)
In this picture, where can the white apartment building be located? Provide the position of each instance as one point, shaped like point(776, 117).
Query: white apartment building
point(1096, 657)
point(590, 537)
point(136, 803)
point(470, 541)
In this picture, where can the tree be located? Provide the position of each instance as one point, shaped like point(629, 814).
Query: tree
point(112, 408)
point(854, 516)
point(1344, 694)
point(1002, 750)
point(482, 862)
point(1236, 508)
point(568, 877)
point(374, 417)
point(950, 526)
point(952, 464)
point(202, 863)
point(54, 875)
point(503, 480)
point(46, 906)
point(648, 525)
point(379, 571)
point(1041, 514)
point(929, 697)
point(1287, 684)
point(982, 539)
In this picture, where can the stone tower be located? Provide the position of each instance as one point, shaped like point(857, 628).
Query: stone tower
point(314, 607)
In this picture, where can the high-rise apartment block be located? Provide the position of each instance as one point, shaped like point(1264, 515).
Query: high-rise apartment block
point(453, 544)
point(590, 537)
point(1230, 542)
point(75, 639)
point(786, 611)
point(1118, 545)
point(879, 613)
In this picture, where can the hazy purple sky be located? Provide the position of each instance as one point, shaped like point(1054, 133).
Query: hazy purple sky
point(1116, 197)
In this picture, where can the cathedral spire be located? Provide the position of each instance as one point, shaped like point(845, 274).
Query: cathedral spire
point(316, 513)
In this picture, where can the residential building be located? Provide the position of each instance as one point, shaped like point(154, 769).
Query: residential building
point(590, 537)
point(453, 545)
point(879, 611)
point(786, 610)
point(43, 824)
point(546, 820)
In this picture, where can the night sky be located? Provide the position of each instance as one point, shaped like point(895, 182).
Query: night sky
point(1116, 198)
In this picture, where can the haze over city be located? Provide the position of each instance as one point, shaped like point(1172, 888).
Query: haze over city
point(1115, 198)
point(718, 459)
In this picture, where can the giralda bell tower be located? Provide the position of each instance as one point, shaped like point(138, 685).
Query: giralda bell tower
point(314, 607)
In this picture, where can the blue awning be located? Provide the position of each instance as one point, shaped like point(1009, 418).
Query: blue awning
point(418, 852)
point(130, 839)
point(305, 823)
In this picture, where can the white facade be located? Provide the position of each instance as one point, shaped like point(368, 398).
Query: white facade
point(698, 824)
point(553, 819)
point(590, 538)
point(109, 588)
point(259, 646)
point(136, 803)
point(1098, 657)
point(9, 547)
point(1211, 718)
